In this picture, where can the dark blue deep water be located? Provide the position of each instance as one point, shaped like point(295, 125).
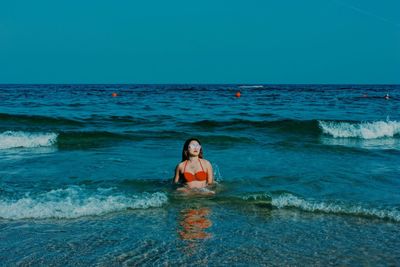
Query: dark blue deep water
point(306, 175)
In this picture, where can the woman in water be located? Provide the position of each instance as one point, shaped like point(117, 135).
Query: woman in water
point(194, 171)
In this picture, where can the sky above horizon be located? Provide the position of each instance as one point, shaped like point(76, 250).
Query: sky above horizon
point(154, 41)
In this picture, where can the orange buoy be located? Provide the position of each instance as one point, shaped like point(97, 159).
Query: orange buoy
point(237, 94)
point(114, 94)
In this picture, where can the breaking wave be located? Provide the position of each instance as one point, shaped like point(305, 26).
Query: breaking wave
point(363, 130)
point(11, 139)
point(290, 201)
point(74, 202)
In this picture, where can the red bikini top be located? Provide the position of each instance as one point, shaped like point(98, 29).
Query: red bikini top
point(198, 176)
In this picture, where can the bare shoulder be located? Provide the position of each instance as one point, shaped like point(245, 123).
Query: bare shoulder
point(205, 162)
point(180, 165)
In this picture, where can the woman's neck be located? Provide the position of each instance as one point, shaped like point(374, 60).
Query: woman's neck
point(192, 158)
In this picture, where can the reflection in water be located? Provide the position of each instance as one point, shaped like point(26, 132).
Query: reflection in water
point(378, 143)
point(193, 224)
point(18, 153)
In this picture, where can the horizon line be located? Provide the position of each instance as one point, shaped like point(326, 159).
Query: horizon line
point(250, 84)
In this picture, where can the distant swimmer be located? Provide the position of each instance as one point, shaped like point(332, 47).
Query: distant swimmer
point(194, 171)
point(387, 96)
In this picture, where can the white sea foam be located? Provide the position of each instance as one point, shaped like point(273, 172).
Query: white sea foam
point(363, 130)
point(288, 200)
point(74, 202)
point(11, 139)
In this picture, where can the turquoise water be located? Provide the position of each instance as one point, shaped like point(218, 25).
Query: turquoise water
point(305, 174)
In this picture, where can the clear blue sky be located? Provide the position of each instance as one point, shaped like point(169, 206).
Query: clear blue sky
point(159, 41)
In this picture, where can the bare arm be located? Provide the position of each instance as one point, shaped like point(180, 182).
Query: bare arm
point(176, 178)
point(210, 172)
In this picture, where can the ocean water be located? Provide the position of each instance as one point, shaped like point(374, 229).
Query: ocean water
point(306, 175)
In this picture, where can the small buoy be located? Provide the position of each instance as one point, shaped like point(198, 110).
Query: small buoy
point(237, 94)
point(114, 94)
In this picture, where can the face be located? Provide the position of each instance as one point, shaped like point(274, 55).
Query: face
point(194, 148)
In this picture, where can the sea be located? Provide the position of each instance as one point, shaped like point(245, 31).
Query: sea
point(306, 175)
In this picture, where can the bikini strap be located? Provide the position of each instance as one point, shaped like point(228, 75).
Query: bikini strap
point(201, 165)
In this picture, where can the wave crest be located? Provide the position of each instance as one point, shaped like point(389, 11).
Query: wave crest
point(364, 130)
point(11, 139)
point(288, 200)
point(74, 202)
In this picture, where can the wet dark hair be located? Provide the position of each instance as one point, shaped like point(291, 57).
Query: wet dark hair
point(185, 154)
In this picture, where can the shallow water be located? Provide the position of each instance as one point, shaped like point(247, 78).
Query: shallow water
point(306, 174)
